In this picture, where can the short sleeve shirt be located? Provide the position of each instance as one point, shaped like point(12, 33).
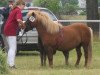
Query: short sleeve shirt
point(11, 26)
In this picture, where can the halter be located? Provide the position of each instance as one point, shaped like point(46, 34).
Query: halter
point(28, 25)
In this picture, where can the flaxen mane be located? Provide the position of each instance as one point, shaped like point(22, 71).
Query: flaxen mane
point(46, 21)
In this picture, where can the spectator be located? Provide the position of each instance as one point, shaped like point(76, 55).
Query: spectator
point(1, 22)
point(7, 9)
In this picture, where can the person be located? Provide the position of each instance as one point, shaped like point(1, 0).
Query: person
point(13, 23)
point(5, 13)
point(1, 22)
point(7, 9)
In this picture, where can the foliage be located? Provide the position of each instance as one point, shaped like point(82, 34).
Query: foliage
point(70, 8)
point(59, 7)
point(83, 13)
point(75, 2)
point(50, 4)
point(3, 3)
point(3, 64)
point(69, 1)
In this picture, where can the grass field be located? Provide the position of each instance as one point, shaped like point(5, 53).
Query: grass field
point(28, 63)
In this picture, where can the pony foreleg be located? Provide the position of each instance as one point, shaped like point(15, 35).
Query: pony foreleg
point(42, 52)
point(50, 56)
point(43, 58)
point(79, 54)
point(66, 54)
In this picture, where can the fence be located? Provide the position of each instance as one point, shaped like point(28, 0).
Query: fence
point(85, 21)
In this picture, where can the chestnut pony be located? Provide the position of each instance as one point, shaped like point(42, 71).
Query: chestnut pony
point(54, 37)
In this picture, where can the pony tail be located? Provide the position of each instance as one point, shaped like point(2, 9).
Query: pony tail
point(90, 46)
point(91, 31)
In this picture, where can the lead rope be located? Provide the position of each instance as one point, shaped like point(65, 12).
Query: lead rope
point(20, 37)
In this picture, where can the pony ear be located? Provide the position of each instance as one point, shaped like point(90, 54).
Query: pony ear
point(33, 14)
point(32, 17)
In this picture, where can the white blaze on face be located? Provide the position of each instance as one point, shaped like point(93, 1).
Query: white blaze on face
point(32, 19)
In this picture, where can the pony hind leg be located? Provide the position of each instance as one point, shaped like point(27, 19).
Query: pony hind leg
point(88, 55)
point(66, 54)
point(79, 54)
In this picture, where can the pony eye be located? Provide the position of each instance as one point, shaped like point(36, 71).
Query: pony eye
point(32, 19)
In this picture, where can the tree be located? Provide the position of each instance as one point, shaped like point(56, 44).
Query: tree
point(70, 7)
point(92, 13)
point(69, 1)
point(50, 4)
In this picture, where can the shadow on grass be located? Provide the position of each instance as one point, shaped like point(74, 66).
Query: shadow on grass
point(72, 66)
point(68, 67)
point(28, 53)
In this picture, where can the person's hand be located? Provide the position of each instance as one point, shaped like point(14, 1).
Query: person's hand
point(22, 26)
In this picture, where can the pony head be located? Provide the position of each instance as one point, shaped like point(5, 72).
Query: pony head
point(36, 18)
point(30, 21)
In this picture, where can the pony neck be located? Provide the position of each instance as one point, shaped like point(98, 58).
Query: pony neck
point(41, 30)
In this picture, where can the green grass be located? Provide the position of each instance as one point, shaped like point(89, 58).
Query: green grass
point(3, 64)
point(28, 63)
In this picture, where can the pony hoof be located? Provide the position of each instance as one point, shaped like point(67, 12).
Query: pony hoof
point(76, 65)
point(87, 67)
point(66, 63)
point(43, 64)
point(51, 66)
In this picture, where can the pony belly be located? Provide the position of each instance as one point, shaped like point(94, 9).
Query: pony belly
point(68, 45)
point(65, 48)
